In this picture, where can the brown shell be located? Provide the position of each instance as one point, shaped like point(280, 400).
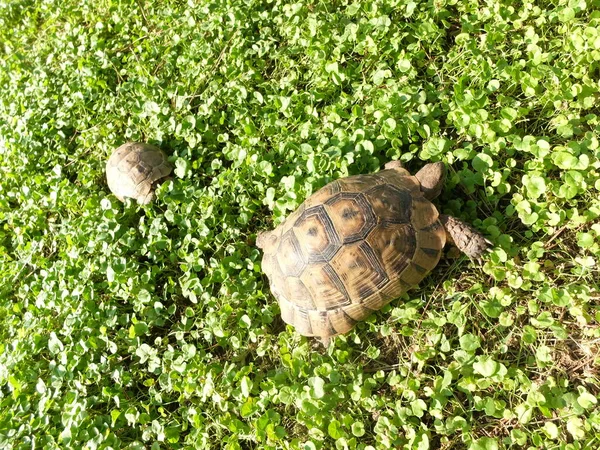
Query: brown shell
point(134, 169)
point(351, 248)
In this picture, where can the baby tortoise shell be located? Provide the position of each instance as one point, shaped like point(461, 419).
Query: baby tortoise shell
point(135, 169)
point(357, 244)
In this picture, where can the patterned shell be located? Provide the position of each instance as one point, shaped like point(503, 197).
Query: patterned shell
point(351, 248)
point(134, 169)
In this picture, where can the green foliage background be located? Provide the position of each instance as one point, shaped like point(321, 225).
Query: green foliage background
point(128, 327)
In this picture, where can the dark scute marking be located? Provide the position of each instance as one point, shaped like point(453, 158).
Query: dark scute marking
point(419, 268)
point(388, 224)
point(365, 291)
point(433, 227)
point(324, 315)
point(352, 238)
point(405, 285)
point(301, 311)
point(366, 306)
point(334, 187)
point(349, 319)
point(337, 281)
point(312, 231)
point(350, 213)
point(430, 251)
point(400, 263)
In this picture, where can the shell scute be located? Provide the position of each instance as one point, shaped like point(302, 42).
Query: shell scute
point(325, 286)
point(316, 234)
point(360, 270)
point(395, 243)
point(391, 203)
point(290, 256)
point(352, 216)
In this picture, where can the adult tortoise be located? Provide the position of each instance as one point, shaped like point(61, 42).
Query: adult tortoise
point(135, 169)
point(358, 243)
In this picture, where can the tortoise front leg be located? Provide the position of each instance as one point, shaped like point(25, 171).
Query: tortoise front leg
point(466, 238)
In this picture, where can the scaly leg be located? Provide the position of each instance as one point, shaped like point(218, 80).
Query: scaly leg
point(466, 238)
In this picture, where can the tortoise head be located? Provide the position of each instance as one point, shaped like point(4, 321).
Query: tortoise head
point(267, 241)
point(432, 178)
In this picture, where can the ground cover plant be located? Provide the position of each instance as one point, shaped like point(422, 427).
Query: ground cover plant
point(129, 327)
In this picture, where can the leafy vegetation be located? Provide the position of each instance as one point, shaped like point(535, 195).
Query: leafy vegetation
point(129, 327)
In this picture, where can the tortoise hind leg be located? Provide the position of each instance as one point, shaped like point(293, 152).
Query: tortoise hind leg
point(325, 340)
point(466, 238)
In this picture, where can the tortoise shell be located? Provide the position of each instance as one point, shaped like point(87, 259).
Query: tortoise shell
point(350, 249)
point(134, 170)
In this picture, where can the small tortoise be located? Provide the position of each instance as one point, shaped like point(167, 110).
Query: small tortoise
point(357, 244)
point(135, 169)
